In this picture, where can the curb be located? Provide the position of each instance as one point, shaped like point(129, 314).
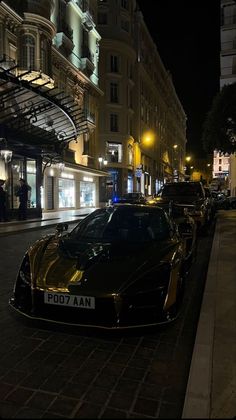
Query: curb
point(197, 402)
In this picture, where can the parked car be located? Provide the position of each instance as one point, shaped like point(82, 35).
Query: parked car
point(210, 202)
point(232, 202)
point(133, 198)
point(221, 200)
point(122, 266)
point(192, 195)
point(186, 226)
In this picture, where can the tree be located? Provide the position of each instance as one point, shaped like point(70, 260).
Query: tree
point(219, 128)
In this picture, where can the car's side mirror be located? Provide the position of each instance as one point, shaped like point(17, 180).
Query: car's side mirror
point(61, 227)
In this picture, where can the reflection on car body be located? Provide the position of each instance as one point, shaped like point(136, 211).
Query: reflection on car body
point(122, 266)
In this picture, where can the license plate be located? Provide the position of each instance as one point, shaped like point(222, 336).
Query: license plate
point(75, 301)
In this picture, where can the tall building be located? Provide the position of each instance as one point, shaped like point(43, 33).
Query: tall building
point(227, 76)
point(49, 54)
point(142, 124)
point(228, 42)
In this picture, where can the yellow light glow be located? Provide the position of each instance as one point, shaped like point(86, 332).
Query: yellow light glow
point(148, 138)
point(188, 158)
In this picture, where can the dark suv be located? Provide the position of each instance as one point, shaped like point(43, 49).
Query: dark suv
point(191, 194)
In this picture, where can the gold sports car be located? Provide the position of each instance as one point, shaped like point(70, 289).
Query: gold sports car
point(122, 266)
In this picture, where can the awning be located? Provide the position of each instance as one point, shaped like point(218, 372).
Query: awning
point(35, 114)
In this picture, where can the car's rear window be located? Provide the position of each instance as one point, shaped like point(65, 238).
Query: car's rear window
point(180, 189)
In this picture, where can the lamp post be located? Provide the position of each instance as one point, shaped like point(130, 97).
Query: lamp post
point(187, 167)
point(175, 163)
point(5, 153)
point(102, 161)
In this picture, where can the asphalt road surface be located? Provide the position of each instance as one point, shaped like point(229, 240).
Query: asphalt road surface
point(48, 372)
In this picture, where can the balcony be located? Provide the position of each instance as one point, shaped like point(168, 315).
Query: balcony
point(87, 65)
point(64, 36)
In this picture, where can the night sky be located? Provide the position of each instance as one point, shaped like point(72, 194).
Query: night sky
point(187, 35)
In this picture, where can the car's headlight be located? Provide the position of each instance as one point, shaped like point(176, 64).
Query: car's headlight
point(24, 272)
point(22, 289)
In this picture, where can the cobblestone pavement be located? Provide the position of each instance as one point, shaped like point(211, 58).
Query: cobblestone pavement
point(48, 372)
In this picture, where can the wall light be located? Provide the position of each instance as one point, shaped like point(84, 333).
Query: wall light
point(5, 153)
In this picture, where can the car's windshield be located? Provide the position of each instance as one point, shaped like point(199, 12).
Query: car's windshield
point(132, 225)
point(180, 189)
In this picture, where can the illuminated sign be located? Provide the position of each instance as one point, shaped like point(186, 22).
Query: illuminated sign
point(88, 179)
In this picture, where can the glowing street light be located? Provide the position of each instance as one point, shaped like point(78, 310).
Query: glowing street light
point(102, 161)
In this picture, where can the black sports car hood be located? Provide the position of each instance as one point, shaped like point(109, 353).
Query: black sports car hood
point(98, 268)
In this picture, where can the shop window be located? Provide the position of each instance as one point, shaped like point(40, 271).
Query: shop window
point(66, 190)
point(26, 169)
point(31, 180)
point(87, 194)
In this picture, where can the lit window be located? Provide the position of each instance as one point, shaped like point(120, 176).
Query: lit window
point(114, 152)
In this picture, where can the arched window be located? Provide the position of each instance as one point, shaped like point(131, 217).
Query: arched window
point(28, 52)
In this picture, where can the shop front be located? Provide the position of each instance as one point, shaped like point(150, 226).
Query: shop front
point(32, 114)
point(74, 187)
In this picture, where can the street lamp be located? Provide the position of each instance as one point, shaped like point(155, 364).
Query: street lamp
point(102, 161)
point(5, 153)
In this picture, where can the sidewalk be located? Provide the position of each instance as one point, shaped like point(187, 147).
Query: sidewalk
point(211, 389)
point(48, 219)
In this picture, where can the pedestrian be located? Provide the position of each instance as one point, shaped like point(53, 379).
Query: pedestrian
point(3, 200)
point(22, 193)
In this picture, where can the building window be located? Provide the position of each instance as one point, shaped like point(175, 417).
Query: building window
point(114, 122)
point(114, 64)
point(28, 52)
point(12, 52)
point(125, 25)
point(102, 18)
point(130, 154)
point(114, 92)
point(114, 152)
point(44, 55)
point(125, 4)
point(220, 168)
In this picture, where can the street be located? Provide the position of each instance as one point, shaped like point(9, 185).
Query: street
point(54, 372)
